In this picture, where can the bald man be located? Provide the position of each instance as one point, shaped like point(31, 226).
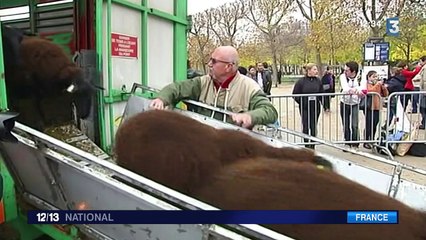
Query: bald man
point(224, 87)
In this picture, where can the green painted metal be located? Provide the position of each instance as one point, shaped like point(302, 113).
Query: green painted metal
point(180, 52)
point(144, 40)
point(9, 198)
point(131, 5)
point(99, 54)
point(3, 95)
point(18, 219)
point(108, 50)
point(168, 16)
point(118, 96)
point(179, 19)
point(33, 15)
point(63, 40)
point(13, 3)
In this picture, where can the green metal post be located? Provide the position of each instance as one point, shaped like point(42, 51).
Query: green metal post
point(180, 52)
point(144, 44)
point(109, 57)
point(33, 16)
point(99, 54)
point(103, 33)
point(11, 211)
point(3, 95)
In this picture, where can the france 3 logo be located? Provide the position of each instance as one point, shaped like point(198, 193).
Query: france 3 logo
point(392, 27)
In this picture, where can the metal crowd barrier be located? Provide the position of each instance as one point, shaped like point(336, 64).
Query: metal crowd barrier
point(407, 123)
point(329, 123)
point(330, 126)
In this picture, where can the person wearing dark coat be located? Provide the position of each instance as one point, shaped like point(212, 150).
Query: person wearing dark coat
point(309, 107)
point(328, 83)
point(264, 78)
point(396, 83)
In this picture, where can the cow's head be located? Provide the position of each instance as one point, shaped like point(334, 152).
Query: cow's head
point(83, 93)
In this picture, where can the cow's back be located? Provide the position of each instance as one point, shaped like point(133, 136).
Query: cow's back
point(169, 148)
point(267, 184)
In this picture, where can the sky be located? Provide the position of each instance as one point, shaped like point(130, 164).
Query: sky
point(195, 6)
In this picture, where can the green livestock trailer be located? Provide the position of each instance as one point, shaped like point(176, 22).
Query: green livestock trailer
point(119, 42)
point(123, 46)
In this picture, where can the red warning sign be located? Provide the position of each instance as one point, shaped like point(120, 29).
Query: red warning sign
point(124, 46)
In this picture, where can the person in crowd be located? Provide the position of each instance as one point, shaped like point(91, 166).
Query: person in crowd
point(191, 73)
point(264, 77)
point(421, 79)
point(242, 70)
point(394, 84)
point(409, 86)
point(223, 87)
point(252, 72)
point(279, 75)
point(373, 106)
point(355, 89)
point(328, 83)
point(309, 107)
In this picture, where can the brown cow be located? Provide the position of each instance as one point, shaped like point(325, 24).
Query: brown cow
point(182, 153)
point(42, 81)
point(268, 184)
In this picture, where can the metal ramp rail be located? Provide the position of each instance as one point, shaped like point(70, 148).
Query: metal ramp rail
point(50, 174)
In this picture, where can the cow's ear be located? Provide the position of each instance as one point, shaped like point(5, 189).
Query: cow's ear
point(7, 123)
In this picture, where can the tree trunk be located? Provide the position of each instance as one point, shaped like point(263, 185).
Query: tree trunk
point(318, 60)
point(274, 70)
point(332, 45)
point(376, 31)
point(408, 52)
point(274, 60)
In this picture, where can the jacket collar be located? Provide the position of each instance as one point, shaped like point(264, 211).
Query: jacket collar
point(226, 83)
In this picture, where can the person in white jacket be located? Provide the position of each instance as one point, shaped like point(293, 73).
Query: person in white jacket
point(355, 88)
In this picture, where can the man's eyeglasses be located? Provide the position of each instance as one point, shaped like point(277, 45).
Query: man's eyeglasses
point(214, 61)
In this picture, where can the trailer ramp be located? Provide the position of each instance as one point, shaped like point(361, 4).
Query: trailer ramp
point(51, 174)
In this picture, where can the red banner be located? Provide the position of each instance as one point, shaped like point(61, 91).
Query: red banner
point(124, 46)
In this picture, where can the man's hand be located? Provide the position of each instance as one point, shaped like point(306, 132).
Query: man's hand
point(157, 104)
point(242, 119)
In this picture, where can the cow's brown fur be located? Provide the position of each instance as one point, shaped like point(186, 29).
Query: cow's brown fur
point(182, 153)
point(48, 62)
point(268, 184)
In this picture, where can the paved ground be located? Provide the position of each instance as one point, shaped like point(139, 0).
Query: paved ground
point(330, 129)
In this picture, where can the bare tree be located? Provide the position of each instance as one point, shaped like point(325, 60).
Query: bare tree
point(267, 15)
point(292, 35)
point(317, 13)
point(374, 12)
point(200, 36)
point(227, 22)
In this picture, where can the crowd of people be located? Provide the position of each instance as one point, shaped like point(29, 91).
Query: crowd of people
point(356, 97)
